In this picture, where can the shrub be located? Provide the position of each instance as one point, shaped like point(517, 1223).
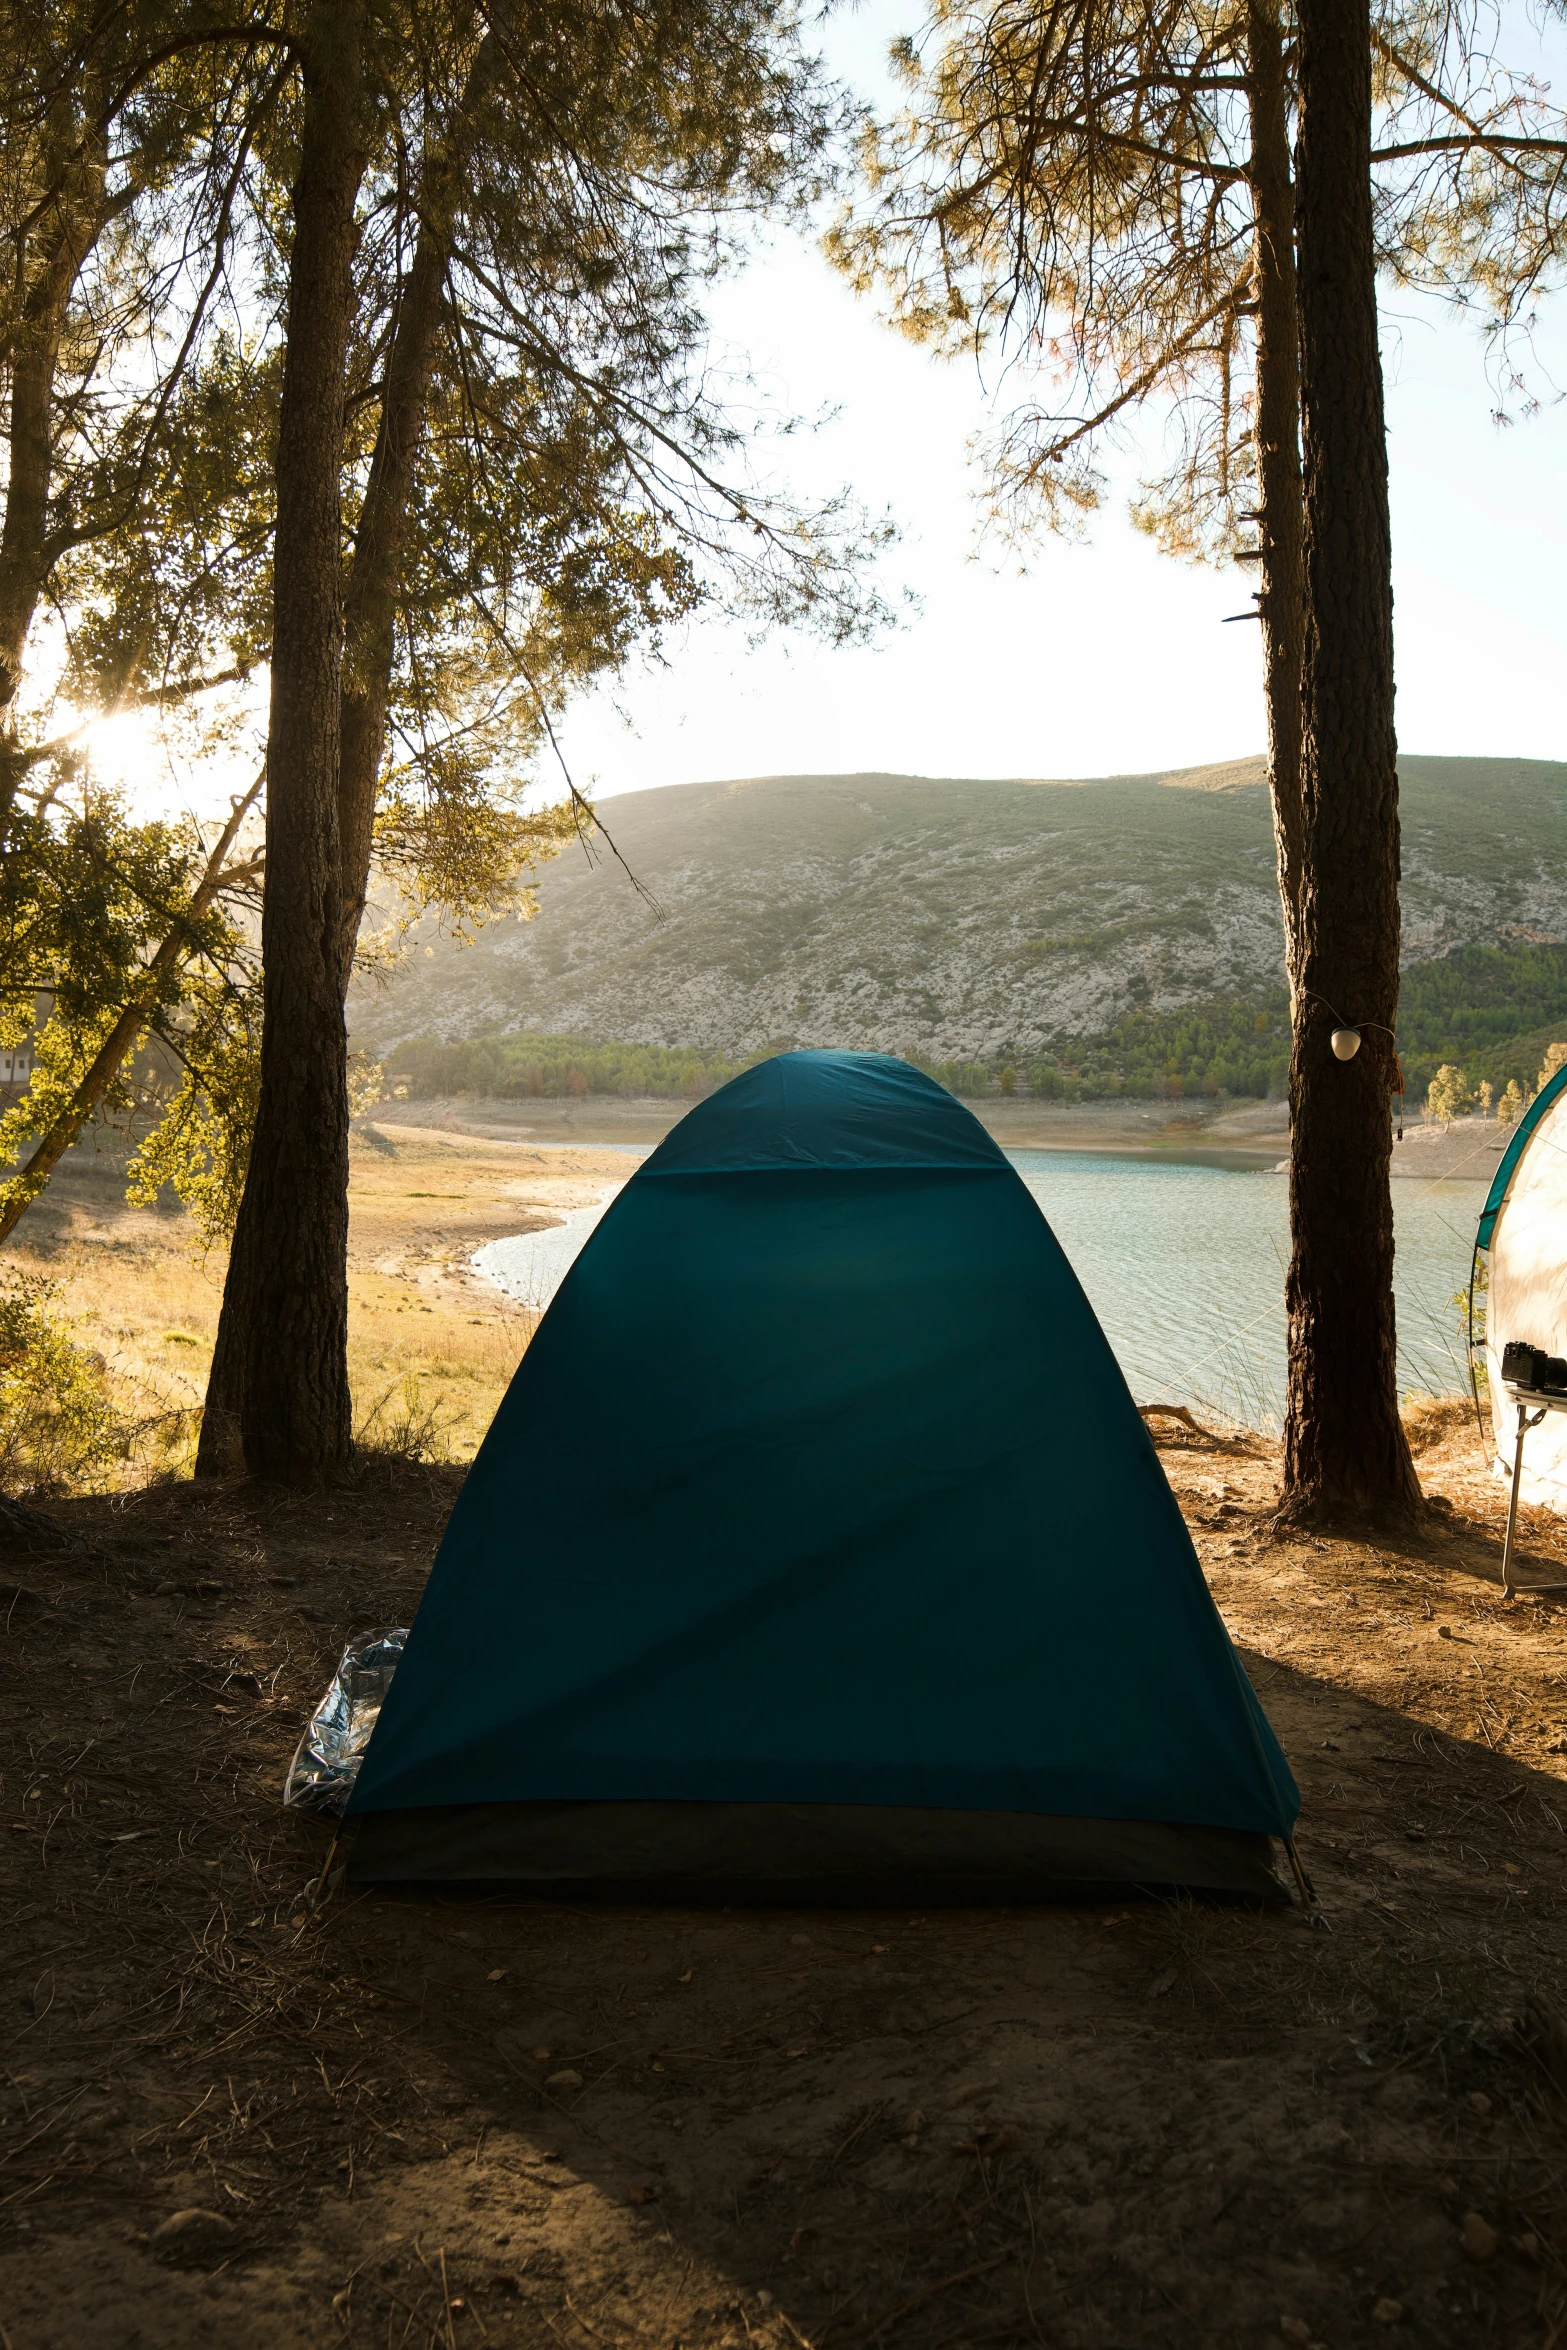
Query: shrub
point(58, 1426)
point(366, 1084)
point(402, 1425)
point(1449, 1093)
point(1555, 1058)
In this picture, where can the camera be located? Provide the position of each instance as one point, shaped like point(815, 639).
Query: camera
point(1531, 1368)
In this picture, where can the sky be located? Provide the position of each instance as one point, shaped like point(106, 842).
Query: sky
point(1107, 657)
point(1102, 658)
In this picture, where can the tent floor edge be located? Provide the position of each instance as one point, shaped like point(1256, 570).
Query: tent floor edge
point(808, 1855)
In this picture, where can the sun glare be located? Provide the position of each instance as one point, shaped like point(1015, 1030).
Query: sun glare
point(121, 748)
point(131, 753)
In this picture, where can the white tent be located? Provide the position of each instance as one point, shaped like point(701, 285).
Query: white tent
point(1523, 1235)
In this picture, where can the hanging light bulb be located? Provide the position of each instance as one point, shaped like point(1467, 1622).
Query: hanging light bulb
point(1346, 1043)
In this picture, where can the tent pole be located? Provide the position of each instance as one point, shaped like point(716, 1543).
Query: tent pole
point(1315, 1915)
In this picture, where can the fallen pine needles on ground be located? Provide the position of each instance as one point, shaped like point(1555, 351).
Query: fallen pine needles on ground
point(229, 2115)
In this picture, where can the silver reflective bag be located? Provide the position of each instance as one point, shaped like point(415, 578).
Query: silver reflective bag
point(326, 1761)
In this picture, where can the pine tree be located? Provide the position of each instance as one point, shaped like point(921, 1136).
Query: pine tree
point(1107, 193)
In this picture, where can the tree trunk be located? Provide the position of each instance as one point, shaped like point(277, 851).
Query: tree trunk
point(71, 230)
point(1345, 1456)
point(280, 1370)
point(376, 573)
point(1280, 605)
point(374, 580)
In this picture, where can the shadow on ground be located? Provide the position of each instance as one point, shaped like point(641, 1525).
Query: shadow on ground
point(436, 2122)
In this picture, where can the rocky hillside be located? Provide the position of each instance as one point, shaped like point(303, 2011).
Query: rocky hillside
point(958, 919)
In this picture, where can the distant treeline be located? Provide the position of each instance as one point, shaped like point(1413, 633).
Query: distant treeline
point(509, 1067)
point(1232, 1049)
point(1495, 1010)
point(1219, 1048)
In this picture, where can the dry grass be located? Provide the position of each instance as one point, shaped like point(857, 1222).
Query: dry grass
point(431, 1346)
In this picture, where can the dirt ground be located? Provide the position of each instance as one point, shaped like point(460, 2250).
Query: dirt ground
point(227, 2118)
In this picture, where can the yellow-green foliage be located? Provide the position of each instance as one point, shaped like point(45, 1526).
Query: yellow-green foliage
point(1449, 1093)
point(59, 1430)
point(201, 1146)
point(1511, 1106)
point(1555, 1058)
point(88, 905)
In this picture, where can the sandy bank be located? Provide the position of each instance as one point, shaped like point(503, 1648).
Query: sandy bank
point(1227, 1134)
point(1247, 1134)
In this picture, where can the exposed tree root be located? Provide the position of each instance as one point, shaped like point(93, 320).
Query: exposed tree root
point(1195, 1436)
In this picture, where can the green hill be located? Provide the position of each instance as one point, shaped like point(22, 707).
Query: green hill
point(1121, 924)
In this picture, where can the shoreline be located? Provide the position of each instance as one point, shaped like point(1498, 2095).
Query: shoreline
point(1243, 1138)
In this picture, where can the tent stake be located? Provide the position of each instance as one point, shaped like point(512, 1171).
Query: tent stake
point(317, 1895)
point(1315, 1915)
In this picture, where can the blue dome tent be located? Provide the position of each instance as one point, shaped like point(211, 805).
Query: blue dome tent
point(818, 1551)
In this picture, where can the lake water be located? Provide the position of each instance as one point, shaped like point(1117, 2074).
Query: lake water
point(1184, 1267)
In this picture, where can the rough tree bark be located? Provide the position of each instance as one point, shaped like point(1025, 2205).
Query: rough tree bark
point(1345, 1456)
point(369, 644)
point(280, 1369)
point(381, 540)
point(60, 246)
point(1280, 604)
